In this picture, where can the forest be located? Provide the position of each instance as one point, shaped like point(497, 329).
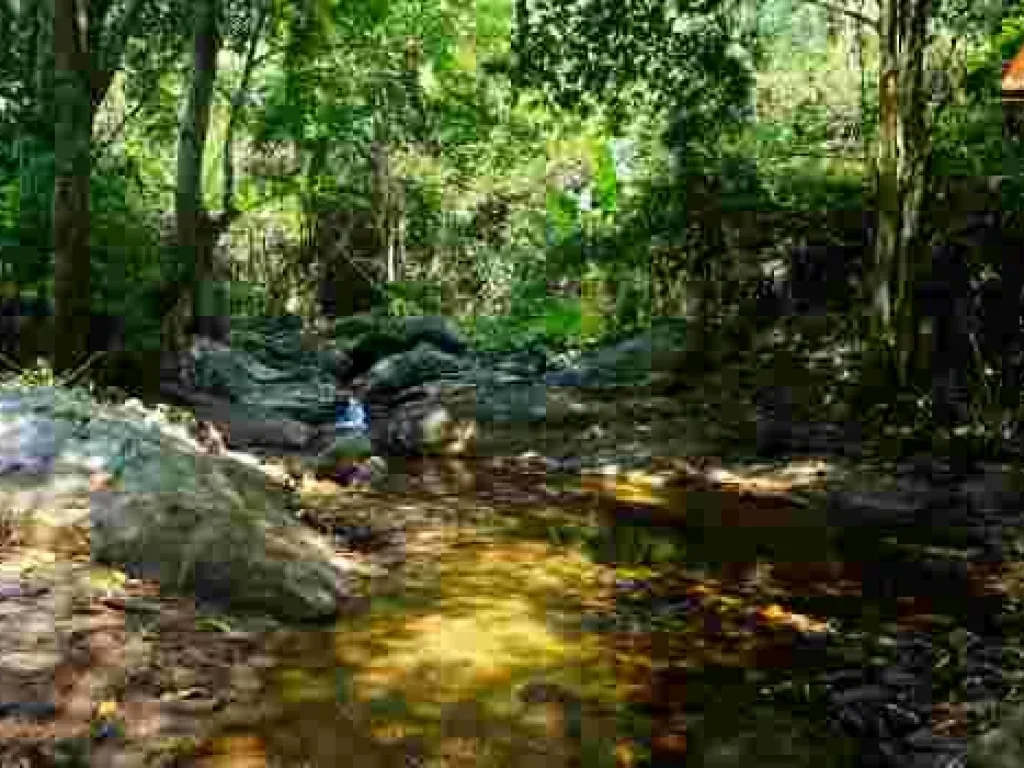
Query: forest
point(512, 382)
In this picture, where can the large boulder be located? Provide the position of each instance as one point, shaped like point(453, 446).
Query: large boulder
point(400, 372)
point(368, 338)
point(192, 522)
point(439, 332)
point(279, 342)
point(427, 420)
point(231, 545)
point(248, 433)
point(647, 359)
point(510, 392)
point(355, 326)
point(298, 391)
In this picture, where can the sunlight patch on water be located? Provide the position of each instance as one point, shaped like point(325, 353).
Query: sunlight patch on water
point(487, 629)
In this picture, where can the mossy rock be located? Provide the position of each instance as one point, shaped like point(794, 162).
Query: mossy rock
point(356, 326)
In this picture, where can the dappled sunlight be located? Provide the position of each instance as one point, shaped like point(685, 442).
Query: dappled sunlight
point(487, 627)
point(485, 611)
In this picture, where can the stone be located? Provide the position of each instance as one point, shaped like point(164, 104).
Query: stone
point(440, 332)
point(421, 365)
point(188, 520)
point(430, 425)
point(286, 383)
point(631, 362)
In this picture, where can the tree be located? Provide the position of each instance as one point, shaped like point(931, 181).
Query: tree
point(88, 45)
point(197, 231)
point(692, 64)
point(900, 179)
point(354, 193)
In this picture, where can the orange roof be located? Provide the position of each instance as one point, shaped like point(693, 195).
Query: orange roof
point(1013, 73)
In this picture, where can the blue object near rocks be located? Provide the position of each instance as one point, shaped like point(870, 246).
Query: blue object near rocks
point(106, 731)
point(351, 418)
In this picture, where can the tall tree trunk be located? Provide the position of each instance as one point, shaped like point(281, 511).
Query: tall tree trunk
point(86, 54)
point(72, 139)
point(35, 50)
point(192, 223)
point(704, 205)
point(901, 169)
point(202, 295)
point(220, 272)
point(383, 196)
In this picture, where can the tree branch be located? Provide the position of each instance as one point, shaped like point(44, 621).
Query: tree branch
point(857, 16)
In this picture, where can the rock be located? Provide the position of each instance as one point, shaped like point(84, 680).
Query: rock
point(777, 436)
point(242, 429)
point(283, 434)
point(570, 377)
point(220, 550)
point(28, 445)
point(439, 332)
point(403, 371)
point(863, 694)
point(625, 364)
point(901, 720)
point(337, 362)
point(941, 580)
point(511, 401)
point(925, 740)
point(1003, 746)
point(355, 326)
point(300, 387)
point(357, 333)
point(853, 509)
point(367, 339)
point(933, 504)
point(427, 425)
point(632, 362)
point(178, 509)
point(365, 352)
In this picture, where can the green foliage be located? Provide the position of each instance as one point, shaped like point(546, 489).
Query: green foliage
point(968, 138)
point(410, 298)
point(622, 53)
point(563, 216)
point(248, 300)
point(357, 326)
point(557, 323)
point(39, 375)
point(605, 182)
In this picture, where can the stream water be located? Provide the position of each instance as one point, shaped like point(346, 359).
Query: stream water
point(568, 636)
